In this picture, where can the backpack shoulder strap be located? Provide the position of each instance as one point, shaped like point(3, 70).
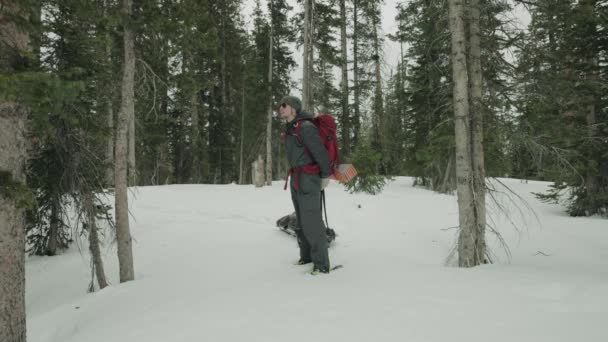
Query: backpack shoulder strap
point(296, 130)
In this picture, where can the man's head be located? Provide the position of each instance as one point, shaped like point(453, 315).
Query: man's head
point(289, 107)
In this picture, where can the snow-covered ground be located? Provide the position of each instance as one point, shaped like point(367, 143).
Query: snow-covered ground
point(212, 266)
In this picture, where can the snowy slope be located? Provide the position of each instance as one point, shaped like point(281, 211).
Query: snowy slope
point(211, 266)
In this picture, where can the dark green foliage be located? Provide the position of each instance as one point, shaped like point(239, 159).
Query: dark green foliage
point(16, 191)
point(564, 103)
point(368, 179)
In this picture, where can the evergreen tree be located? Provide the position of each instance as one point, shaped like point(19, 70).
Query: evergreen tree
point(562, 128)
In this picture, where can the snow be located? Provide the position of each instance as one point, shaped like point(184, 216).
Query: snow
point(212, 266)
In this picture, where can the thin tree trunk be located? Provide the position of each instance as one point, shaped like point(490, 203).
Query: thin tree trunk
point(110, 144)
point(378, 103)
point(592, 183)
point(477, 155)
point(195, 174)
point(224, 96)
point(356, 118)
point(94, 244)
point(196, 151)
point(269, 118)
point(13, 156)
point(445, 185)
point(464, 177)
point(307, 101)
point(345, 119)
point(51, 246)
point(108, 107)
point(131, 140)
point(241, 162)
point(123, 234)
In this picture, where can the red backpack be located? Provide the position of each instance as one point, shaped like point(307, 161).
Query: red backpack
point(327, 130)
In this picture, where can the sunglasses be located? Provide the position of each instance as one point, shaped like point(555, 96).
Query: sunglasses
point(283, 105)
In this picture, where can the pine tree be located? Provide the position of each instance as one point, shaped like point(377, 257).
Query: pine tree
point(563, 105)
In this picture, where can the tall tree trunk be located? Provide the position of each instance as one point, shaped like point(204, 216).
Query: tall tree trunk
point(107, 100)
point(13, 155)
point(378, 103)
point(344, 119)
point(269, 118)
point(357, 117)
point(94, 244)
point(464, 177)
point(223, 120)
point(123, 234)
point(592, 183)
point(195, 168)
point(307, 90)
point(241, 162)
point(477, 155)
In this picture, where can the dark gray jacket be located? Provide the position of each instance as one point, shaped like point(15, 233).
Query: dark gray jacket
point(309, 134)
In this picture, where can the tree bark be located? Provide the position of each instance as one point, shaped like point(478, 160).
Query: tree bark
point(108, 106)
point(110, 144)
point(307, 100)
point(357, 117)
point(94, 244)
point(123, 234)
point(51, 246)
point(196, 158)
point(477, 155)
point(269, 118)
point(195, 174)
point(378, 103)
point(466, 240)
point(13, 156)
point(241, 162)
point(592, 183)
point(224, 94)
point(344, 119)
point(131, 139)
point(12, 224)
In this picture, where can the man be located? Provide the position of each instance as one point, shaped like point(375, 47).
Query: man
point(310, 171)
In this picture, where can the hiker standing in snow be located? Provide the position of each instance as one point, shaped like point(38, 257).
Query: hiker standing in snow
point(309, 170)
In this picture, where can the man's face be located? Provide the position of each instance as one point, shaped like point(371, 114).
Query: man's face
point(286, 112)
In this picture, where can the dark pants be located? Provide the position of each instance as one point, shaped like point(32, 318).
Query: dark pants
point(311, 235)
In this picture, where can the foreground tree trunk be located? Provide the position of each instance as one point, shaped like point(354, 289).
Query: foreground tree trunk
point(477, 156)
point(468, 248)
point(13, 44)
point(123, 234)
point(12, 223)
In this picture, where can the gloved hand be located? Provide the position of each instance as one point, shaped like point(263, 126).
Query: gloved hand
point(324, 183)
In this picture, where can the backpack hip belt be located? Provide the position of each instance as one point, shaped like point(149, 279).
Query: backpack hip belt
point(312, 169)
